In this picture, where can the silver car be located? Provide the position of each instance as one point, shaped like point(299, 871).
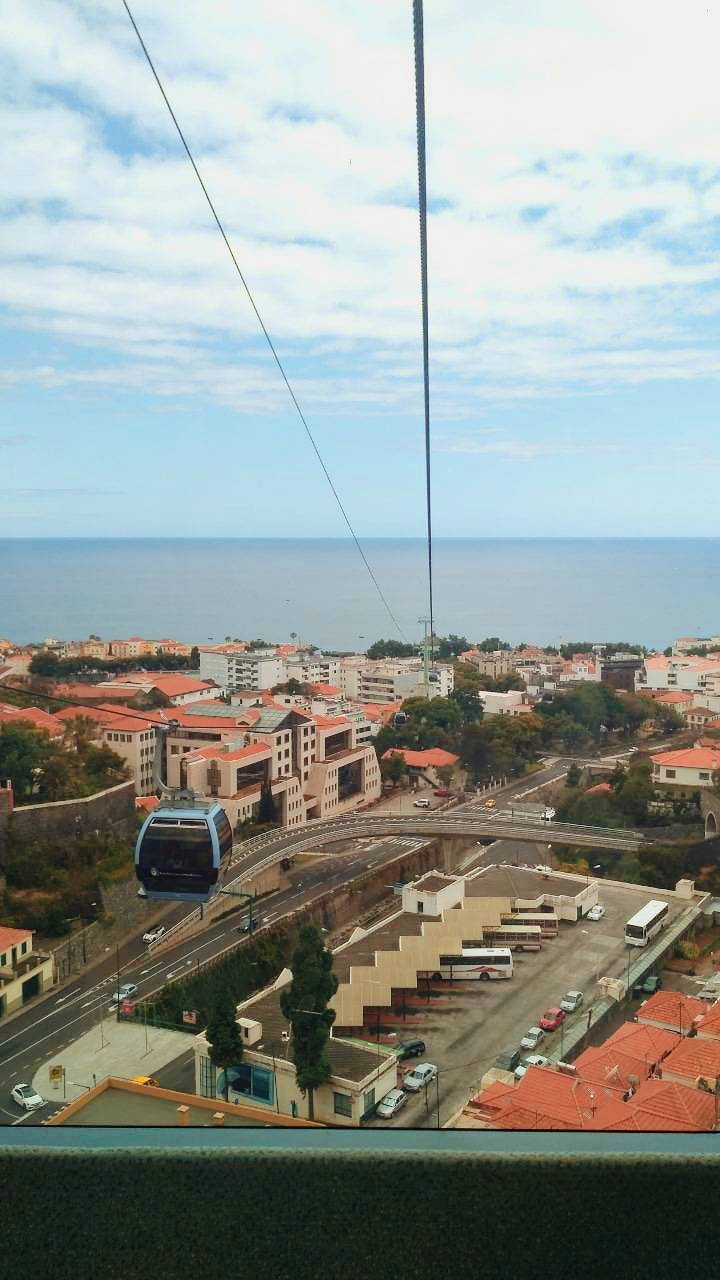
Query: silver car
point(27, 1097)
point(571, 1001)
point(533, 1060)
point(424, 1073)
point(391, 1103)
point(532, 1038)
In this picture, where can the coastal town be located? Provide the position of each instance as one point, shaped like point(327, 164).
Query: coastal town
point(424, 816)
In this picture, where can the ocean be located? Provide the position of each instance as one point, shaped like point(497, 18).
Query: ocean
point(543, 590)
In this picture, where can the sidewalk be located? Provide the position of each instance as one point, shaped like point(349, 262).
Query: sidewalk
point(110, 1049)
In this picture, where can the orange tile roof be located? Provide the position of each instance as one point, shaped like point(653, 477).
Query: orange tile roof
point(704, 713)
point(216, 752)
point(692, 758)
point(31, 715)
point(710, 1025)
point(644, 1042)
point(693, 1058)
point(11, 937)
point(109, 717)
point(148, 803)
point(677, 1105)
point(432, 758)
point(671, 1008)
point(674, 695)
point(326, 690)
point(600, 788)
point(330, 722)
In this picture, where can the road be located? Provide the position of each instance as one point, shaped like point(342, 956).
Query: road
point(45, 1029)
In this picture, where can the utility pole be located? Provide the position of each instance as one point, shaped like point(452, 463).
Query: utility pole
point(426, 623)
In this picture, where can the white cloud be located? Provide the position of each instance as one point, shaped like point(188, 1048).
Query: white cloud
point(575, 147)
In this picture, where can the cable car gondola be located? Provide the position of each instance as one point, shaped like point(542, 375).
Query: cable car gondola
point(181, 851)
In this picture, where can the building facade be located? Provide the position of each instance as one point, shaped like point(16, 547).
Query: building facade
point(24, 973)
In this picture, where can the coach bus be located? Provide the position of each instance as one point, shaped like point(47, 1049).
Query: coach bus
point(477, 962)
point(547, 920)
point(646, 924)
point(518, 937)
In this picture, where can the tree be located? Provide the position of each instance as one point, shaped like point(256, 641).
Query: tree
point(446, 773)
point(294, 686)
point(267, 811)
point(393, 768)
point(492, 645)
point(304, 1003)
point(573, 775)
point(194, 657)
point(23, 751)
point(450, 646)
point(225, 1047)
point(471, 708)
point(391, 649)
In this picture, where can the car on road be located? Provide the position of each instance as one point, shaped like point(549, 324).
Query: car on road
point(444, 793)
point(27, 1097)
point(508, 1059)
point(391, 1103)
point(410, 1049)
point(424, 1073)
point(648, 986)
point(596, 913)
point(421, 804)
point(127, 990)
point(552, 1019)
point(154, 935)
point(572, 1001)
point(244, 926)
point(490, 804)
point(532, 1060)
point(532, 1038)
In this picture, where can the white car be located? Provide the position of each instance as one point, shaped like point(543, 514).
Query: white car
point(571, 1001)
point(421, 804)
point(534, 1060)
point(26, 1097)
point(532, 1038)
point(391, 1103)
point(595, 913)
point(153, 935)
point(424, 1073)
point(127, 991)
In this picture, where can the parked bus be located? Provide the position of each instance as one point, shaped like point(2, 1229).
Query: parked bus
point(547, 920)
point(477, 962)
point(646, 924)
point(518, 937)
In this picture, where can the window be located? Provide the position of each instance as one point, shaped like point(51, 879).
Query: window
point(342, 1104)
point(3, 960)
point(23, 948)
point(705, 776)
point(669, 773)
point(174, 751)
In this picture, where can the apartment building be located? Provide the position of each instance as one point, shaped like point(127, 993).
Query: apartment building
point(315, 766)
point(234, 667)
point(690, 674)
point(311, 668)
point(392, 680)
point(134, 740)
point(495, 664)
point(24, 973)
point(686, 643)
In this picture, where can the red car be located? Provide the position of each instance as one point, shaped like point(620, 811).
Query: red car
point(442, 793)
point(551, 1019)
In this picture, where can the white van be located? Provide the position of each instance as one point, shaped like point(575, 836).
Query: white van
point(421, 804)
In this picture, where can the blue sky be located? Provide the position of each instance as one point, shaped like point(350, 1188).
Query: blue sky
point(574, 182)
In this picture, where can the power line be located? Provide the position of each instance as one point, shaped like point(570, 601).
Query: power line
point(268, 339)
point(422, 199)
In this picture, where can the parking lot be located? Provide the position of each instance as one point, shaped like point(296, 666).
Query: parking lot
point(465, 1025)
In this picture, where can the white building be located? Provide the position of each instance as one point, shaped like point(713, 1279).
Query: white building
point(513, 703)
point(233, 667)
point(692, 768)
point(685, 643)
point(691, 674)
point(392, 680)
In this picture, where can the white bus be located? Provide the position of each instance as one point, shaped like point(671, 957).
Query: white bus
point(644, 926)
point(477, 962)
point(547, 920)
point(518, 937)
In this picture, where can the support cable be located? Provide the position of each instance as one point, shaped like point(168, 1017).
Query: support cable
point(422, 193)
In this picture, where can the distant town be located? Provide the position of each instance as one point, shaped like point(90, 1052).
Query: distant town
point(428, 801)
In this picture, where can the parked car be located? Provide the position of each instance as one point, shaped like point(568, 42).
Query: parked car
point(508, 1060)
point(424, 1073)
point(571, 1001)
point(127, 990)
point(648, 986)
point(532, 1038)
point(711, 994)
point(552, 1019)
point(26, 1097)
point(410, 1049)
point(443, 792)
point(596, 913)
point(153, 935)
point(533, 1060)
point(391, 1103)
point(421, 804)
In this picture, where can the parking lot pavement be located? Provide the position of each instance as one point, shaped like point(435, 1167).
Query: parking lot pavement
point(470, 1023)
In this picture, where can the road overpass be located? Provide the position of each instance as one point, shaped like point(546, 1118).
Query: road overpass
point(271, 847)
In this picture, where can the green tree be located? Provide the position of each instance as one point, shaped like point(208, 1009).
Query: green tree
point(194, 657)
point(294, 686)
point(393, 768)
point(391, 649)
point(305, 1005)
point(23, 751)
point(267, 811)
point(450, 646)
point(470, 705)
point(573, 775)
point(225, 1047)
point(492, 645)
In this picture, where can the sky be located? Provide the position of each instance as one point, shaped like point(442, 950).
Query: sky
point(573, 158)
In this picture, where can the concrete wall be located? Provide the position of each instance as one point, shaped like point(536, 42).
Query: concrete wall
point(107, 811)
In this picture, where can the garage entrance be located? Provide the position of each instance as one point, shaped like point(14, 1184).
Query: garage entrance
point(31, 988)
